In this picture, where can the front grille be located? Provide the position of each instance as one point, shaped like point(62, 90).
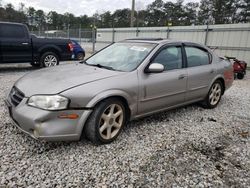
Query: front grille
point(16, 96)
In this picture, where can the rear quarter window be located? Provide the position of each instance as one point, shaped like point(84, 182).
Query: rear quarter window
point(12, 31)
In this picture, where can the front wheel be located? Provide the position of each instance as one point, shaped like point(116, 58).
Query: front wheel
point(106, 121)
point(49, 59)
point(214, 95)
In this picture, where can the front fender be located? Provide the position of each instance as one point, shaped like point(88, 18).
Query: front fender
point(131, 100)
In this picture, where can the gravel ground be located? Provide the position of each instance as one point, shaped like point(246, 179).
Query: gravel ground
point(187, 147)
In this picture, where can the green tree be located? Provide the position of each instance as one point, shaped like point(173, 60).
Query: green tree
point(106, 20)
point(122, 17)
point(205, 13)
point(156, 16)
point(53, 19)
point(224, 11)
point(243, 7)
point(85, 21)
point(190, 12)
point(40, 18)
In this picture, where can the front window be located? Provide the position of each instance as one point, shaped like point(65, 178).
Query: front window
point(124, 56)
point(170, 58)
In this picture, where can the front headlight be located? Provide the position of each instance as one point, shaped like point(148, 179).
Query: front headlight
point(46, 102)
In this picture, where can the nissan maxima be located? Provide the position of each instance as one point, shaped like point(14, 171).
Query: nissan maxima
point(124, 81)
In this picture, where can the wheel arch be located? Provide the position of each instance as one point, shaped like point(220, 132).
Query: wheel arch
point(223, 84)
point(222, 80)
point(100, 98)
point(129, 102)
point(53, 49)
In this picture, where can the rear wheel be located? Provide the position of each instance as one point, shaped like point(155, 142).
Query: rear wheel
point(214, 95)
point(49, 59)
point(240, 76)
point(80, 56)
point(106, 121)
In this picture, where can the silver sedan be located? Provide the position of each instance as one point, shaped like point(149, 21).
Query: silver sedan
point(124, 81)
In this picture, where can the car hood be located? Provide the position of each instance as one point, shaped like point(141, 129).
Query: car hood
point(58, 79)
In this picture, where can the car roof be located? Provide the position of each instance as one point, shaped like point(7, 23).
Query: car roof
point(12, 23)
point(164, 41)
point(154, 40)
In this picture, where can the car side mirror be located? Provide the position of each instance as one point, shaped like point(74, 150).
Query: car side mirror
point(155, 68)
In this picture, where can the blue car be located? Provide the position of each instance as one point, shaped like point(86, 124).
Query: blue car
point(78, 51)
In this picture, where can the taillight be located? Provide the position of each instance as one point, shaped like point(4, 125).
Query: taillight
point(70, 47)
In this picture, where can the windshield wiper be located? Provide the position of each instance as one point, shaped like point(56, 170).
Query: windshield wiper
point(101, 66)
point(83, 62)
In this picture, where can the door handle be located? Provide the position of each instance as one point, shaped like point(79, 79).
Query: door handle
point(25, 43)
point(182, 76)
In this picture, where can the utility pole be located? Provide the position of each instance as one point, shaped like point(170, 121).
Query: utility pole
point(80, 34)
point(68, 30)
point(132, 14)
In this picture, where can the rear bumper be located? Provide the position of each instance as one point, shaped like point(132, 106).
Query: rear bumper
point(45, 125)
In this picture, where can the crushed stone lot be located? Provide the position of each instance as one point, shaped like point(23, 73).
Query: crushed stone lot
point(186, 147)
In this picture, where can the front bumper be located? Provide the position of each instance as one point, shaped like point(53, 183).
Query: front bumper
point(46, 125)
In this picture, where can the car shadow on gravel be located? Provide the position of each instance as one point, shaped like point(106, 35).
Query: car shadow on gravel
point(160, 117)
point(15, 69)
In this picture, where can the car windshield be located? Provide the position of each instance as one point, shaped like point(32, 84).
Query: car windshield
point(123, 56)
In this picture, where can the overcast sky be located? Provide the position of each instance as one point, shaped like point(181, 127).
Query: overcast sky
point(81, 7)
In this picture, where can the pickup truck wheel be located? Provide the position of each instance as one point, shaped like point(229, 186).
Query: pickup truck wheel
point(106, 121)
point(49, 59)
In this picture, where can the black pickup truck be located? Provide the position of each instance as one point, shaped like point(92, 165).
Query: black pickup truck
point(17, 45)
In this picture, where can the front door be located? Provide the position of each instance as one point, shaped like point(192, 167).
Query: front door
point(162, 90)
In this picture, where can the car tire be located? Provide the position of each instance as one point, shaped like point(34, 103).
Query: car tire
point(214, 95)
point(80, 56)
point(49, 59)
point(240, 76)
point(106, 121)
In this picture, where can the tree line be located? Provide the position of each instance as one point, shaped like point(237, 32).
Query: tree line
point(158, 13)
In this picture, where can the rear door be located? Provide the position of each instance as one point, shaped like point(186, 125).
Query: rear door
point(200, 70)
point(15, 43)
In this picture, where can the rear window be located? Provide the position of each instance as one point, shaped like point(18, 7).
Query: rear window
point(12, 31)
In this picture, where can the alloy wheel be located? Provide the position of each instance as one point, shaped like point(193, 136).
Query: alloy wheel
point(215, 94)
point(50, 61)
point(111, 121)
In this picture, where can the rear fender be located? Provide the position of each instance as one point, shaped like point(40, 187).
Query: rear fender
point(49, 48)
